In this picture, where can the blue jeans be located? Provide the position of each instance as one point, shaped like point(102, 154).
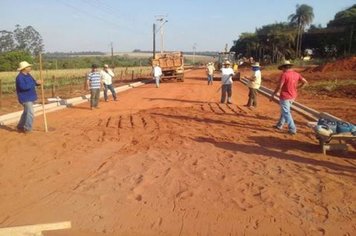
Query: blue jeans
point(26, 119)
point(210, 79)
point(286, 116)
point(111, 88)
point(157, 78)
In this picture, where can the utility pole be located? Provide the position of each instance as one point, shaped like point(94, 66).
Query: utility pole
point(351, 37)
point(194, 49)
point(162, 20)
point(154, 41)
point(112, 54)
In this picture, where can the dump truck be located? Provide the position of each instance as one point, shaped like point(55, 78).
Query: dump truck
point(172, 65)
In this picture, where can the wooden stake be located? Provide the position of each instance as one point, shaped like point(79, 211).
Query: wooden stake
point(0, 93)
point(43, 98)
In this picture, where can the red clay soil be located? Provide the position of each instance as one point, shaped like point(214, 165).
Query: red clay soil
point(340, 103)
point(346, 64)
point(174, 161)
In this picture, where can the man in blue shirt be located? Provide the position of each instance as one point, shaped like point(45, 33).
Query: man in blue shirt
point(26, 94)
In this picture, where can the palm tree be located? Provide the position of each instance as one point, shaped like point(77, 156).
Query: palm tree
point(301, 18)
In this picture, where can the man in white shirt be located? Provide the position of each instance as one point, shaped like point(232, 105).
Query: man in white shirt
point(210, 72)
point(107, 75)
point(157, 73)
point(226, 80)
point(254, 84)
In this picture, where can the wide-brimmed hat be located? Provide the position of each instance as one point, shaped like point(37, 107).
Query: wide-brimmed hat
point(23, 65)
point(106, 66)
point(256, 64)
point(285, 63)
point(226, 62)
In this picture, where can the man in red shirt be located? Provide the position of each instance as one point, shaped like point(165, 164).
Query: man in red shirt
point(287, 89)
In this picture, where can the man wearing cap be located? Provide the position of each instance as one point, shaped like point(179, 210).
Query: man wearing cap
point(226, 80)
point(253, 85)
point(287, 89)
point(210, 72)
point(94, 83)
point(107, 75)
point(26, 94)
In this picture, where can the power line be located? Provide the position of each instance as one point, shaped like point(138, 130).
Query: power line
point(102, 8)
point(89, 14)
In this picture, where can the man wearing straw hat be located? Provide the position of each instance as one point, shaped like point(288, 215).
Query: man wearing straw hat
point(253, 85)
point(107, 76)
point(287, 89)
point(210, 72)
point(26, 94)
point(226, 80)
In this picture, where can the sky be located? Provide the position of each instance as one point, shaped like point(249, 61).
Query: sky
point(207, 25)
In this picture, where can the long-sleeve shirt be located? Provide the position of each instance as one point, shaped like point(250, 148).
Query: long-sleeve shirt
point(226, 75)
point(210, 69)
point(255, 83)
point(157, 71)
point(107, 76)
point(25, 88)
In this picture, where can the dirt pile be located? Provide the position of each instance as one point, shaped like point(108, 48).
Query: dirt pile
point(346, 64)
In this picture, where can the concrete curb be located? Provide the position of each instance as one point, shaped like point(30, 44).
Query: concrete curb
point(298, 107)
point(64, 103)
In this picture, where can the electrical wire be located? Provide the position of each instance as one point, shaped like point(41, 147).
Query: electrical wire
point(89, 14)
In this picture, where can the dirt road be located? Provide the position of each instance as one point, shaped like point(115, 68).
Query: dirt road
point(173, 161)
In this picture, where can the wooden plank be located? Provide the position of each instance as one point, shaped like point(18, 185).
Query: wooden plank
point(34, 230)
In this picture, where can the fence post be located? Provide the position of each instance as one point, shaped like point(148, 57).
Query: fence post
point(0, 93)
point(121, 75)
point(132, 75)
point(53, 86)
point(85, 83)
point(71, 85)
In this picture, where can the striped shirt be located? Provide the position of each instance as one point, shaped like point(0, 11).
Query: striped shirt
point(94, 80)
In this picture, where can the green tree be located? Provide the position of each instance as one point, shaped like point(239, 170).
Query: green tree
point(301, 18)
point(28, 39)
point(277, 40)
point(270, 43)
point(10, 60)
point(346, 20)
point(6, 41)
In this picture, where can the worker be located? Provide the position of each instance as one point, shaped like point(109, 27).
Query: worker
point(26, 94)
point(254, 83)
point(226, 80)
point(94, 84)
point(107, 75)
point(210, 72)
point(157, 73)
point(287, 89)
point(236, 67)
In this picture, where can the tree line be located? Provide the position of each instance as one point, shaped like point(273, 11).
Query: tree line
point(290, 40)
point(19, 45)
